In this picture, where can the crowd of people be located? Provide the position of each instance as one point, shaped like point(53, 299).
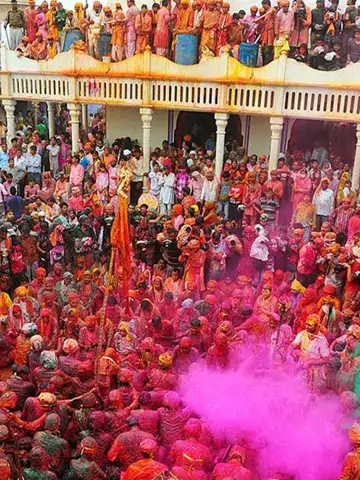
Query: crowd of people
point(90, 376)
point(325, 37)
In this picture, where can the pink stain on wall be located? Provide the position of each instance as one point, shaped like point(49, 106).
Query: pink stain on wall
point(293, 431)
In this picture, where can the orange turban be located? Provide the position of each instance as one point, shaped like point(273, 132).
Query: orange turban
point(354, 434)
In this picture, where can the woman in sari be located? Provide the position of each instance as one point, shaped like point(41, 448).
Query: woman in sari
point(157, 290)
point(302, 186)
point(48, 187)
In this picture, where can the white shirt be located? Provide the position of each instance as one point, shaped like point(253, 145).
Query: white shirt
point(209, 190)
point(20, 162)
point(324, 202)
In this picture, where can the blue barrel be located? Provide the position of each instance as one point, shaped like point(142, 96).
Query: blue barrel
point(249, 54)
point(104, 45)
point(186, 49)
point(71, 37)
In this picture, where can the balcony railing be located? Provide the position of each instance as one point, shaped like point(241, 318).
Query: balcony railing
point(222, 84)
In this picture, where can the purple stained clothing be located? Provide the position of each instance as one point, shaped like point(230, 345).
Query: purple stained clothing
point(181, 180)
point(354, 50)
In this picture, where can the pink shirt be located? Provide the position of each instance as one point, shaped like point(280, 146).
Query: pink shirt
point(76, 175)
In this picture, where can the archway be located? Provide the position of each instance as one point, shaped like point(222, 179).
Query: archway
point(338, 137)
point(201, 124)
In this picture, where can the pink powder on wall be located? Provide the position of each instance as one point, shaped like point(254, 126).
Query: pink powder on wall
point(293, 431)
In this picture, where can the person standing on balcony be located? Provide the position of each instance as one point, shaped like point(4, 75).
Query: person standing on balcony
point(318, 22)
point(118, 34)
point(252, 25)
point(95, 21)
point(302, 22)
point(208, 25)
point(349, 28)
point(284, 21)
point(15, 24)
point(268, 31)
point(50, 18)
point(161, 39)
point(30, 20)
point(143, 29)
point(225, 21)
point(130, 32)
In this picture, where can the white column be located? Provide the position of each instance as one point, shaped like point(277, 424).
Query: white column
point(276, 126)
point(356, 169)
point(51, 118)
point(36, 111)
point(146, 118)
point(221, 120)
point(9, 106)
point(74, 109)
point(84, 116)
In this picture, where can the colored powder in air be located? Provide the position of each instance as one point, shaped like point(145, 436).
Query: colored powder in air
point(293, 431)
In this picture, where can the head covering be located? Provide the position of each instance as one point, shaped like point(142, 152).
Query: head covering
point(47, 399)
point(210, 299)
point(29, 328)
point(297, 287)
point(35, 338)
point(177, 209)
point(125, 326)
point(188, 303)
point(172, 399)
point(48, 359)
point(148, 446)
point(354, 433)
point(192, 428)
point(8, 400)
point(313, 319)
point(89, 445)
point(165, 359)
point(70, 346)
point(21, 291)
point(126, 152)
point(237, 452)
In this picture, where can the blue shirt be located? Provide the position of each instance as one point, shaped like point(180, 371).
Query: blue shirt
point(85, 162)
point(14, 203)
point(4, 159)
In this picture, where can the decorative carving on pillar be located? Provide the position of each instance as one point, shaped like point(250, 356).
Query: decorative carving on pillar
point(146, 118)
point(9, 106)
point(221, 120)
point(74, 110)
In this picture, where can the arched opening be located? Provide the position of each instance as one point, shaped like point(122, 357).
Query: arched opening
point(338, 138)
point(201, 125)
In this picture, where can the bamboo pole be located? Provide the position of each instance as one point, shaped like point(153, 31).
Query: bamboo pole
point(103, 314)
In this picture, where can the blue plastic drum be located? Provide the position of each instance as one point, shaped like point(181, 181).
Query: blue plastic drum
point(248, 54)
point(104, 45)
point(71, 37)
point(186, 49)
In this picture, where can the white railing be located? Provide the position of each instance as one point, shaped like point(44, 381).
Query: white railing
point(222, 84)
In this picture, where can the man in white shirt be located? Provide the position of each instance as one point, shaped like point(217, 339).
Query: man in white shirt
point(210, 188)
point(324, 202)
point(137, 168)
point(33, 164)
point(54, 151)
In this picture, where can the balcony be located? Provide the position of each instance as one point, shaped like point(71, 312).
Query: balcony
point(284, 88)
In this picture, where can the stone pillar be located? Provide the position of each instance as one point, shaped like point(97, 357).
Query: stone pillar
point(276, 126)
point(51, 119)
point(247, 133)
point(84, 117)
point(9, 106)
point(170, 126)
point(146, 118)
point(74, 109)
point(356, 169)
point(36, 111)
point(221, 120)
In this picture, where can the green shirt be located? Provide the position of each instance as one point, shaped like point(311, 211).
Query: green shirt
point(16, 19)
